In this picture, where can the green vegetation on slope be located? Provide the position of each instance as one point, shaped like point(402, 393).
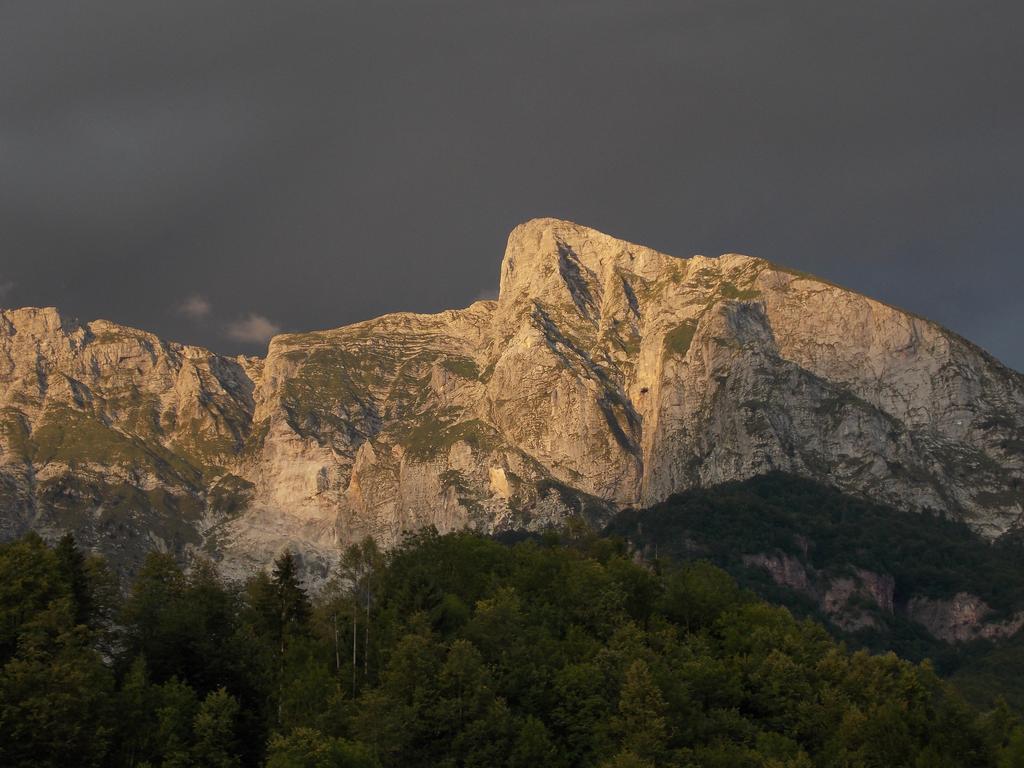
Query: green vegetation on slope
point(462, 367)
point(431, 434)
point(678, 340)
point(79, 437)
point(452, 651)
point(833, 533)
point(728, 290)
point(927, 555)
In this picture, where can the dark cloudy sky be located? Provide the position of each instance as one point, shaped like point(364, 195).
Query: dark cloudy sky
point(211, 170)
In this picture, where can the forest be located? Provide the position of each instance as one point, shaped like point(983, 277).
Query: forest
point(833, 534)
point(458, 650)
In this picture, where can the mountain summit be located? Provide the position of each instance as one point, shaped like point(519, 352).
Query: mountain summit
point(606, 375)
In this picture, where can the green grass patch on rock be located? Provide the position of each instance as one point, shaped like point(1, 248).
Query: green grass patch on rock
point(678, 340)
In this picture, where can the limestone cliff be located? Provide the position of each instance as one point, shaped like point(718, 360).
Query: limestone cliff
point(605, 375)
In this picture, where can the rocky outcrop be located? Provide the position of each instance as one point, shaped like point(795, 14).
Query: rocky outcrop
point(605, 375)
point(962, 617)
point(852, 601)
point(861, 599)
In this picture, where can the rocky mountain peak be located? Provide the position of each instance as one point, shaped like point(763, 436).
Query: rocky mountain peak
point(605, 375)
point(541, 250)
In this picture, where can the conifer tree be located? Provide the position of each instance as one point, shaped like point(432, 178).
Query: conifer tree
point(292, 600)
point(71, 566)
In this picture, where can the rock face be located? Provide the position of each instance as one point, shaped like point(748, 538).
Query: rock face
point(851, 601)
point(605, 375)
point(860, 598)
point(961, 618)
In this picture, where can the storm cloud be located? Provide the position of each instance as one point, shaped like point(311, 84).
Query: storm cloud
point(328, 161)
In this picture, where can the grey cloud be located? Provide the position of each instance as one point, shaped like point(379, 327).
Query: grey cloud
point(328, 162)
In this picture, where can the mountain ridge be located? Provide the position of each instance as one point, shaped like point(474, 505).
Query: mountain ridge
point(605, 375)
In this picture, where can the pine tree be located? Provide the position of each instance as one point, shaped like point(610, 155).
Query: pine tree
point(293, 610)
point(71, 566)
point(292, 600)
point(148, 615)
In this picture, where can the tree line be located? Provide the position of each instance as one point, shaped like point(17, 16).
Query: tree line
point(452, 650)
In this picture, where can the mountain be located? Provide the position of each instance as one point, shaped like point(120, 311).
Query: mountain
point(605, 376)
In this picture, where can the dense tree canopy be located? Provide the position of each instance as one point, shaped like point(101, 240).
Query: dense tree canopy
point(452, 651)
point(833, 534)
